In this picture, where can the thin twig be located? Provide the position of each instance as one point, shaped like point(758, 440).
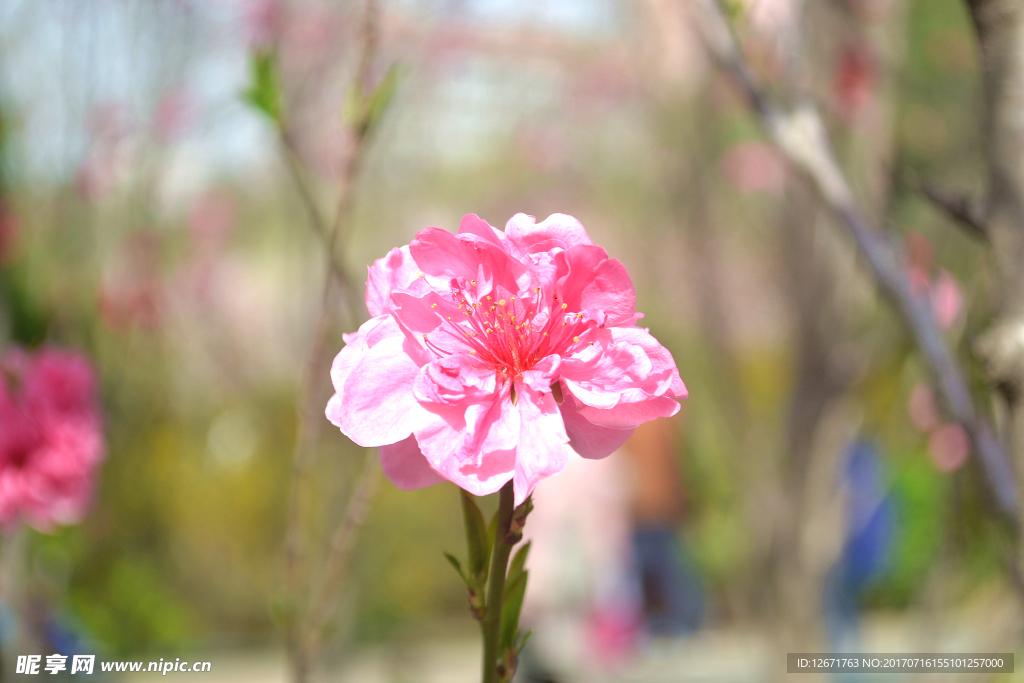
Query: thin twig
point(326, 596)
point(306, 626)
point(800, 134)
point(963, 209)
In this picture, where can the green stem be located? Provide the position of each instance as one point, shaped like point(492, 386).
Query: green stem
point(491, 624)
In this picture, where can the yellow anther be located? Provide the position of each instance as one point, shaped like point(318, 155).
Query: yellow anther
point(575, 339)
point(473, 282)
point(501, 302)
point(565, 306)
point(424, 337)
point(433, 305)
point(513, 299)
point(473, 351)
point(488, 297)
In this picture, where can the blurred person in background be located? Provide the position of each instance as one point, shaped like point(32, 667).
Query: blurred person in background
point(607, 568)
point(869, 530)
point(673, 599)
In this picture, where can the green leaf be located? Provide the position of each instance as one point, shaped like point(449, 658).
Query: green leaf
point(264, 92)
point(378, 101)
point(476, 537)
point(516, 568)
point(522, 641)
point(282, 612)
point(458, 567)
point(514, 594)
point(352, 107)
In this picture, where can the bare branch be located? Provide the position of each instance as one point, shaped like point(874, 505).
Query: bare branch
point(326, 596)
point(306, 627)
point(968, 212)
point(801, 135)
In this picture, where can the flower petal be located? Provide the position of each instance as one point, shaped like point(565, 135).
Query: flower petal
point(395, 272)
point(586, 438)
point(475, 449)
point(403, 463)
point(624, 365)
point(557, 231)
point(356, 345)
point(376, 405)
point(589, 281)
point(543, 444)
point(629, 415)
point(478, 227)
point(455, 380)
point(444, 257)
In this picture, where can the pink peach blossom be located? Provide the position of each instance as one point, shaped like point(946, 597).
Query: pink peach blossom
point(947, 299)
point(949, 447)
point(493, 355)
point(50, 437)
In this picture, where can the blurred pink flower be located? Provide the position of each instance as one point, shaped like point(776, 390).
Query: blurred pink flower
point(923, 411)
point(943, 292)
point(131, 292)
point(173, 115)
point(949, 447)
point(50, 437)
point(854, 80)
point(261, 21)
point(492, 355)
point(754, 167)
point(947, 299)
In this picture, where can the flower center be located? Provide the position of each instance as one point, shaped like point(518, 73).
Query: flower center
point(511, 334)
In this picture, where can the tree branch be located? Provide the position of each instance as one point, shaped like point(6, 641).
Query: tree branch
point(963, 209)
point(800, 134)
point(306, 626)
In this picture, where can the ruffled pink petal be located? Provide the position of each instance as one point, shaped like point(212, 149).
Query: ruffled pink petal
point(589, 440)
point(543, 444)
point(624, 365)
point(395, 272)
point(376, 405)
point(404, 465)
point(468, 431)
point(629, 415)
point(475, 449)
point(458, 379)
point(542, 375)
point(444, 257)
point(589, 281)
point(356, 345)
point(478, 227)
point(557, 231)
